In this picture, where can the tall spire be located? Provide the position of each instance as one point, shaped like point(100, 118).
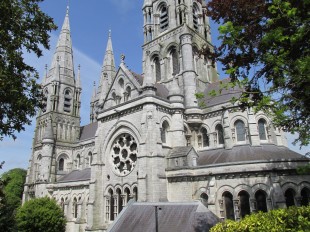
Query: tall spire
point(108, 70)
point(63, 54)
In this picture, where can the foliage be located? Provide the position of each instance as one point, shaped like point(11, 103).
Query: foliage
point(12, 185)
point(304, 170)
point(291, 219)
point(23, 28)
point(41, 215)
point(14, 181)
point(265, 50)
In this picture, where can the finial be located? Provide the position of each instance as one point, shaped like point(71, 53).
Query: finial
point(94, 83)
point(68, 4)
point(110, 33)
point(123, 58)
point(79, 67)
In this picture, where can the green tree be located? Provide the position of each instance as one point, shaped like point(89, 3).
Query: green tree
point(265, 49)
point(293, 219)
point(12, 185)
point(41, 215)
point(23, 28)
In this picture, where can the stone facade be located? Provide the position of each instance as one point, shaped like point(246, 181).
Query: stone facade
point(151, 139)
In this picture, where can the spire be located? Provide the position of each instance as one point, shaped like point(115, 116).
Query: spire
point(108, 70)
point(63, 55)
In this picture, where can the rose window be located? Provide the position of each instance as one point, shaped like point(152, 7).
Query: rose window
point(124, 154)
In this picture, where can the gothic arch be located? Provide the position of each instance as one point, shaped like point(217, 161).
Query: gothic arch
point(290, 185)
point(261, 186)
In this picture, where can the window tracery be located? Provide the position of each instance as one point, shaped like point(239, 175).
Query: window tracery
point(124, 154)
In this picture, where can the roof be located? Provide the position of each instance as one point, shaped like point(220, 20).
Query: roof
point(76, 175)
point(88, 131)
point(268, 152)
point(225, 96)
point(179, 151)
point(181, 217)
point(161, 90)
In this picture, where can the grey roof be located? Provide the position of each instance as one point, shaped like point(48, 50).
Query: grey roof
point(88, 131)
point(244, 153)
point(76, 175)
point(161, 91)
point(225, 96)
point(181, 217)
point(179, 151)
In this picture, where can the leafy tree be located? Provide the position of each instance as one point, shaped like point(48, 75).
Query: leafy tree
point(294, 219)
point(23, 27)
point(12, 185)
point(265, 49)
point(41, 215)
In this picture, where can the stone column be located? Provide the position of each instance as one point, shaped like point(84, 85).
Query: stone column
point(189, 75)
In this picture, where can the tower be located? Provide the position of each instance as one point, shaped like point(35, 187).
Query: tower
point(58, 122)
point(174, 33)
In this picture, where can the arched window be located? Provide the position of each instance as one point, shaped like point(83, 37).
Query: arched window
point(174, 61)
point(240, 130)
point(127, 194)
point(127, 94)
point(229, 205)
point(62, 204)
point(195, 17)
point(61, 164)
point(205, 137)
point(261, 201)
point(244, 203)
point(163, 18)
point(78, 161)
point(219, 134)
point(135, 193)
point(262, 129)
point(75, 208)
point(44, 100)
point(111, 205)
point(305, 196)
point(90, 158)
point(119, 200)
point(67, 101)
point(289, 197)
point(157, 68)
point(204, 199)
point(164, 131)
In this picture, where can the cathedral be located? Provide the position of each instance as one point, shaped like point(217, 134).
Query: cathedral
point(151, 139)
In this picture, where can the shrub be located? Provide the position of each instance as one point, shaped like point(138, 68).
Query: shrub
point(292, 219)
point(41, 215)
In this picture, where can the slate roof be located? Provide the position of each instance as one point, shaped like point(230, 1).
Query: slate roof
point(161, 90)
point(244, 153)
point(181, 217)
point(179, 151)
point(225, 96)
point(76, 175)
point(88, 131)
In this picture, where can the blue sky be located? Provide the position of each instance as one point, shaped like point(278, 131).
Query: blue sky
point(90, 21)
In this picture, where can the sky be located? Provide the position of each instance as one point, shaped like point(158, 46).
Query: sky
point(90, 22)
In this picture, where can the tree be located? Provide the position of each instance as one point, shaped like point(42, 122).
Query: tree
point(265, 50)
point(23, 28)
point(293, 219)
point(41, 215)
point(12, 186)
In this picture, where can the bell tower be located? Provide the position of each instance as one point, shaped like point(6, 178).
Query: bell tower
point(174, 33)
point(62, 93)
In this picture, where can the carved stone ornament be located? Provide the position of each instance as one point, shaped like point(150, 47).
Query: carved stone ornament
point(124, 155)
